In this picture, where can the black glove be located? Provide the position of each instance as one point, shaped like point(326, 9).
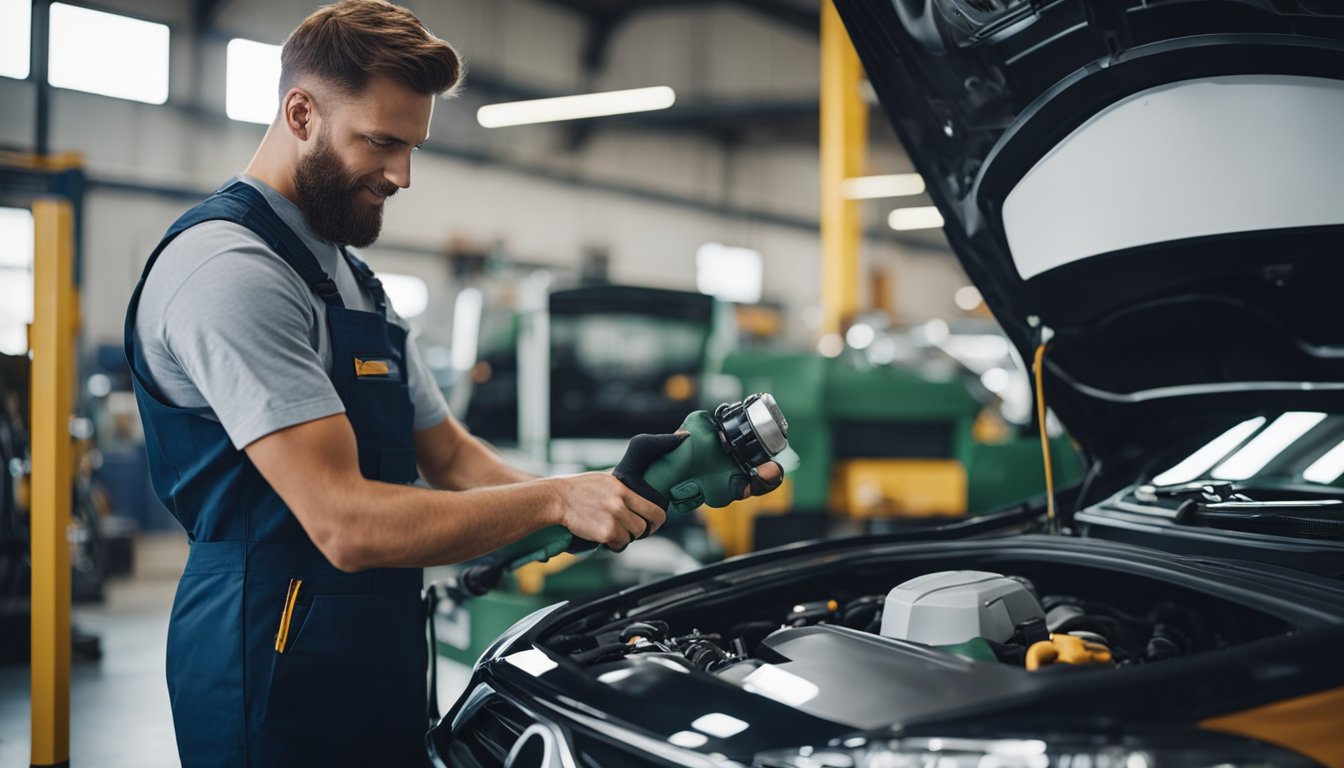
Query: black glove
point(642, 451)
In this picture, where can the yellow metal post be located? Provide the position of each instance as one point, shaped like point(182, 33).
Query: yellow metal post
point(52, 397)
point(844, 140)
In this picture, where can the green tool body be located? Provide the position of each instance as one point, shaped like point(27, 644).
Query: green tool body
point(712, 466)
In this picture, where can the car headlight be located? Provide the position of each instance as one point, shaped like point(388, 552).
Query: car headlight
point(1188, 750)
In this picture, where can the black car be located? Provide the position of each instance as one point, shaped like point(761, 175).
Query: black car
point(1150, 196)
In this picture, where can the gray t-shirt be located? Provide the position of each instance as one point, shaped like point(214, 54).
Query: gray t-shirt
point(226, 324)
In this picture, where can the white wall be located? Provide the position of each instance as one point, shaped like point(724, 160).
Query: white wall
point(715, 53)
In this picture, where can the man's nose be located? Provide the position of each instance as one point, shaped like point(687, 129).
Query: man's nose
point(398, 171)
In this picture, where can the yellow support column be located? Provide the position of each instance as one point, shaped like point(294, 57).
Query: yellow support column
point(52, 398)
point(844, 141)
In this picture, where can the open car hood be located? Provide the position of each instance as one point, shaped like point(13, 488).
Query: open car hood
point(1155, 187)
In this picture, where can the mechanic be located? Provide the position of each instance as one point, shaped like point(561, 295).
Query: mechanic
point(286, 415)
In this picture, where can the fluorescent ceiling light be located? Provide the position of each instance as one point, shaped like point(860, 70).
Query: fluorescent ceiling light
point(15, 37)
point(108, 54)
point(1277, 436)
point(1201, 461)
point(576, 107)
point(729, 274)
point(1328, 468)
point(906, 219)
point(890, 185)
point(252, 79)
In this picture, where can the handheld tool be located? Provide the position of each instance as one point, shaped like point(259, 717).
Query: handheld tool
point(717, 457)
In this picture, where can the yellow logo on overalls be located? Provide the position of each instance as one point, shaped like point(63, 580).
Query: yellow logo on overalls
point(371, 367)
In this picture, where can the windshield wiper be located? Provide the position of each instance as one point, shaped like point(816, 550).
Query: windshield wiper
point(1208, 491)
point(1223, 505)
point(1276, 504)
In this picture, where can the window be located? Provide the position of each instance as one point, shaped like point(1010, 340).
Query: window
point(730, 274)
point(108, 54)
point(252, 81)
point(16, 24)
point(16, 279)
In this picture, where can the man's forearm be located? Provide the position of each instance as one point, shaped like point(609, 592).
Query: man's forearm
point(375, 524)
point(452, 459)
point(476, 465)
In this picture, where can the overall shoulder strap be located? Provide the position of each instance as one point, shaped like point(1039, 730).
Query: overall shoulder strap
point(367, 279)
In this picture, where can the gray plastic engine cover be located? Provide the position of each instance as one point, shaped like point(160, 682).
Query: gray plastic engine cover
point(951, 607)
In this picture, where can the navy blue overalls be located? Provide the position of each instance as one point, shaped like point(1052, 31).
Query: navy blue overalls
point(349, 688)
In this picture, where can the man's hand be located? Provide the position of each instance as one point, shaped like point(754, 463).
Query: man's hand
point(598, 507)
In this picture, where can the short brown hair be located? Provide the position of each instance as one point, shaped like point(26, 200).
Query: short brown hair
point(347, 42)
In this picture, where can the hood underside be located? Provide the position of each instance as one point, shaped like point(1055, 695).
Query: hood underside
point(1152, 187)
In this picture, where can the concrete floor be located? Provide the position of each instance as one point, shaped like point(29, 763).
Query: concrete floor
point(119, 714)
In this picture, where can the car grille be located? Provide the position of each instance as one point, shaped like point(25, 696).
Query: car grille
point(486, 738)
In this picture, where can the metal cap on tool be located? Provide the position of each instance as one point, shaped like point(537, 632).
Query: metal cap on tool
point(752, 431)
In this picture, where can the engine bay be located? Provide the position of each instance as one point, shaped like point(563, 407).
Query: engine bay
point(867, 641)
point(1129, 634)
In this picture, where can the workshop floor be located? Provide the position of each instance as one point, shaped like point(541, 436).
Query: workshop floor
point(119, 715)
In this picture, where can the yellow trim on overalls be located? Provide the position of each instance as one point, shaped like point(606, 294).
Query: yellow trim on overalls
point(291, 597)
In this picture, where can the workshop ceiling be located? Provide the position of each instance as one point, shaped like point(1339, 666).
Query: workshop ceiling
point(768, 119)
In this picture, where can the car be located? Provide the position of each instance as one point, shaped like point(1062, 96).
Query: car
point(1147, 194)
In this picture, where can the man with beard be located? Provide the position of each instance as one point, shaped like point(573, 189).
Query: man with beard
point(286, 416)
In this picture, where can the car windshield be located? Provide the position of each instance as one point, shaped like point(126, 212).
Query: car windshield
point(1292, 448)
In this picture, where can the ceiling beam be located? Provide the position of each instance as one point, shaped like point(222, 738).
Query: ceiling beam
point(799, 17)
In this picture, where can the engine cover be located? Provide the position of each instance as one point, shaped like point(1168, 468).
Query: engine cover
point(951, 607)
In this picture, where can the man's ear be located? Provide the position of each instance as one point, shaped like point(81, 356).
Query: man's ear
point(297, 112)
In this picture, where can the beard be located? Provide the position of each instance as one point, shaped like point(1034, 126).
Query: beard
point(328, 194)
